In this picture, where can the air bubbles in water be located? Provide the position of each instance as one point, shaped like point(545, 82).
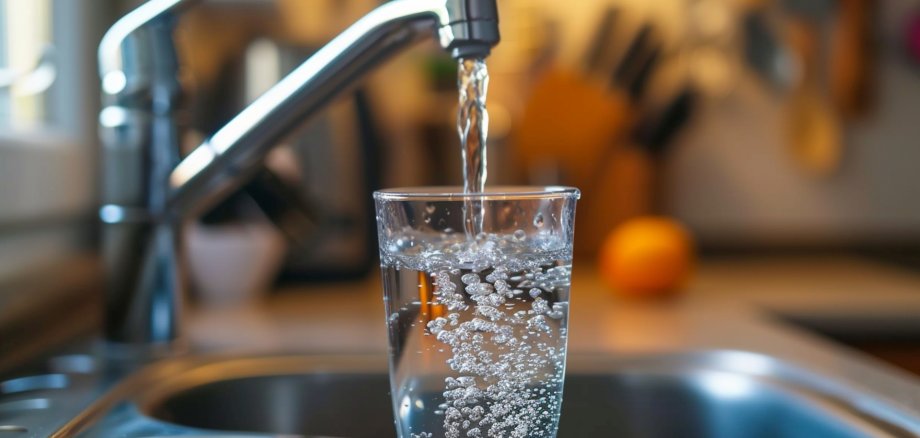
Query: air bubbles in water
point(538, 220)
point(508, 360)
point(502, 330)
point(430, 208)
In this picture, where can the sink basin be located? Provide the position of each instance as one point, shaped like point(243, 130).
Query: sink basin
point(621, 405)
point(307, 404)
point(706, 394)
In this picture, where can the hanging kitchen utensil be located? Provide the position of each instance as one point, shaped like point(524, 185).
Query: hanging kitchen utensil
point(813, 128)
point(765, 53)
point(852, 58)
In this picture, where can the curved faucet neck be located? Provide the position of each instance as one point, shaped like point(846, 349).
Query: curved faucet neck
point(221, 163)
point(147, 188)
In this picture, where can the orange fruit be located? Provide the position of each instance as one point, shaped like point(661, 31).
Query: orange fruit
point(647, 256)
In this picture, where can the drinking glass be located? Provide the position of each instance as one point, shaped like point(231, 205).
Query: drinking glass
point(476, 290)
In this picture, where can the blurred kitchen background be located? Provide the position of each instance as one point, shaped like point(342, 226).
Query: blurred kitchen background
point(771, 130)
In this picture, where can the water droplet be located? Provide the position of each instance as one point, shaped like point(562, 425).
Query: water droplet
point(430, 208)
point(538, 220)
point(442, 223)
point(520, 235)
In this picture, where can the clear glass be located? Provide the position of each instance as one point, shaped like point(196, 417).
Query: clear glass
point(477, 324)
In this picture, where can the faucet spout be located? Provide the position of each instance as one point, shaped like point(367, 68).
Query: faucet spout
point(473, 27)
point(220, 164)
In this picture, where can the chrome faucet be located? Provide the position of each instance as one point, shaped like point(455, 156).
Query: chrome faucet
point(148, 190)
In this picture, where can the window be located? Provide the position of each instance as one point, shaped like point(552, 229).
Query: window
point(49, 99)
point(26, 62)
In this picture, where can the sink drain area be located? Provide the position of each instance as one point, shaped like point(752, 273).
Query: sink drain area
point(35, 404)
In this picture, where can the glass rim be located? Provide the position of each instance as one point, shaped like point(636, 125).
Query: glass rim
point(496, 193)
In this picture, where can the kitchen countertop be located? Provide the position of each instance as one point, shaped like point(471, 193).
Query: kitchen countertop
point(717, 310)
point(47, 306)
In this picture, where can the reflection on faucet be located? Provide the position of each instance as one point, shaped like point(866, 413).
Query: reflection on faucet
point(147, 190)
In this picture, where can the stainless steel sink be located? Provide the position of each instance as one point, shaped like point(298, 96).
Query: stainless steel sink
point(679, 404)
point(701, 394)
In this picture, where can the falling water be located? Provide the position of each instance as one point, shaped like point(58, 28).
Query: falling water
point(491, 307)
point(473, 127)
